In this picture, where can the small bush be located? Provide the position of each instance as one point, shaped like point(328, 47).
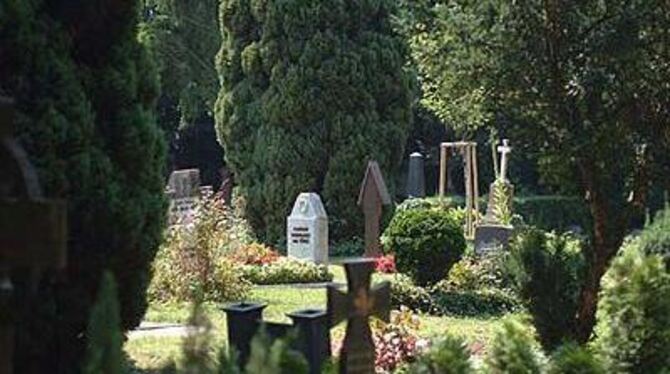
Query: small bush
point(405, 293)
point(286, 270)
point(449, 356)
point(428, 203)
point(573, 359)
point(478, 272)
point(426, 242)
point(470, 303)
point(184, 271)
point(633, 329)
point(655, 238)
point(547, 273)
point(512, 351)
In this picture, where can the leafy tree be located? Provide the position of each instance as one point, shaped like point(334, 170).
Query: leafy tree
point(311, 90)
point(582, 84)
point(184, 37)
point(84, 92)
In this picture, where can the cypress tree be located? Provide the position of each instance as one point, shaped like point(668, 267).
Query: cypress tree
point(84, 89)
point(311, 90)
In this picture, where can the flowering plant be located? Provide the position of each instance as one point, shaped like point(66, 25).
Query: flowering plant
point(255, 254)
point(397, 342)
point(385, 264)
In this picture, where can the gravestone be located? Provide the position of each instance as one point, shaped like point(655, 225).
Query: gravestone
point(495, 230)
point(33, 229)
point(372, 196)
point(357, 306)
point(183, 189)
point(416, 181)
point(307, 229)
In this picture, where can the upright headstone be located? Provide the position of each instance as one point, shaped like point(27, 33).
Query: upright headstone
point(307, 229)
point(183, 190)
point(357, 306)
point(33, 230)
point(372, 196)
point(416, 181)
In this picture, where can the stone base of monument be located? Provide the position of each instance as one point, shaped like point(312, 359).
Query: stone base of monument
point(491, 237)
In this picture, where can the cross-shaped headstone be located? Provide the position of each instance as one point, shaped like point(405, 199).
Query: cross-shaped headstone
point(504, 151)
point(372, 196)
point(32, 229)
point(357, 306)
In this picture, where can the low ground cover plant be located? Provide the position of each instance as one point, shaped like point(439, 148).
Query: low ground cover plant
point(286, 270)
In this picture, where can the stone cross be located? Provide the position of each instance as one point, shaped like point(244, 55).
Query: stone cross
point(357, 306)
point(33, 231)
point(504, 151)
point(372, 196)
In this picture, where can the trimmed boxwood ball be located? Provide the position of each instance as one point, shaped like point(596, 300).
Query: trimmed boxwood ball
point(427, 243)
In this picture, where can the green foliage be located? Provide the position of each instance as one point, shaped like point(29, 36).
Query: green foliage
point(193, 261)
point(633, 330)
point(553, 212)
point(105, 340)
point(269, 357)
point(573, 359)
point(405, 293)
point(286, 270)
point(449, 356)
point(426, 243)
point(512, 351)
point(502, 201)
point(477, 272)
point(310, 91)
point(475, 303)
point(84, 91)
point(184, 38)
point(655, 238)
point(354, 247)
point(547, 270)
point(196, 349)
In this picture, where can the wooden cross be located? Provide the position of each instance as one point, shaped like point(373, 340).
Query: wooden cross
point(32, 229)
point(372, 196)
point(357, 306)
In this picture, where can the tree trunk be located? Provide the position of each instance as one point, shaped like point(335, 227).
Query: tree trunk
point(609, 227)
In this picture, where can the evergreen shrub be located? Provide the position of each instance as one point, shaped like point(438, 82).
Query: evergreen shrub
point(633, 328)
point(426, 243)
point(546, 269)
point(450, 355)
point(655, 238)
point(310, 91)
point(571, 358)
point(513, 350)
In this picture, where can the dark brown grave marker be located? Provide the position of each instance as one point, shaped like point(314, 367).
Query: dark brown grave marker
point(372, 196)
point(357, 305)
point(32, 229)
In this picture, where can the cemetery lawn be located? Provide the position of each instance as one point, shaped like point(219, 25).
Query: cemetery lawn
point(150, 354)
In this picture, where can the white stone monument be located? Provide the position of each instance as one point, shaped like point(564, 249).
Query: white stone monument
point(183, 189)
point(307, 229)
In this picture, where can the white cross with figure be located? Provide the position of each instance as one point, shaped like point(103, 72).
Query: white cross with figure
point(504, 151)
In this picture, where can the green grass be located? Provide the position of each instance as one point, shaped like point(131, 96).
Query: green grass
point(151, 354)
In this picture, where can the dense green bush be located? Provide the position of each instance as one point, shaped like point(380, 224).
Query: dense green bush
point(426, 243)
point(655, 238)
point(633, 329)
point(512, 351)
point(354, 247)
point(286, 270)
point(553, 212)
point(85, 91)
point(310, 91)
point(546, 269)
point(477, 272)
point(574, 359)
point(449, 356)
point(481, 302)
